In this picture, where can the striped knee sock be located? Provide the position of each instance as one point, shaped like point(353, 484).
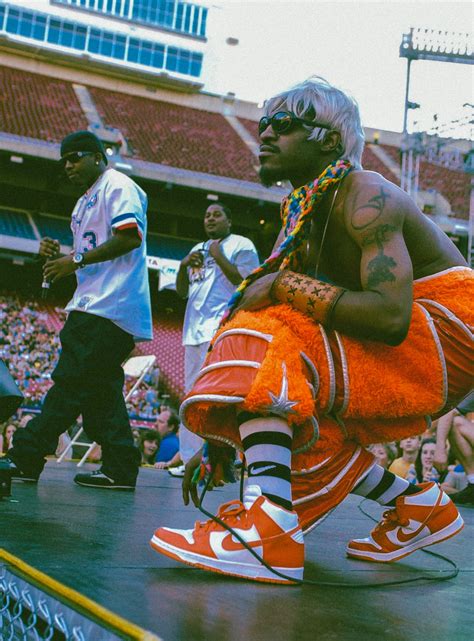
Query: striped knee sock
point(383, 486)
point(267, 447)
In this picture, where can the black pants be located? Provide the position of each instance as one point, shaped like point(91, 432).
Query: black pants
point(88, 380)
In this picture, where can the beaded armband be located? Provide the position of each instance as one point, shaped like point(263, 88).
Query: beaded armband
point(308, 295)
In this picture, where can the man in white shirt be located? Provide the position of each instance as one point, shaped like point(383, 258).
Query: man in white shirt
point(208, 276)
point(109, 311)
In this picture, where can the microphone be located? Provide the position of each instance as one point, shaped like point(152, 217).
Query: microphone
point(45, 285)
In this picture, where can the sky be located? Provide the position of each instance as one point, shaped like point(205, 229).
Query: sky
point(354, 45)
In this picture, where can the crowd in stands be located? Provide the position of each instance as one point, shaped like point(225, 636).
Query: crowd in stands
point(29, 346)
point(443, 454)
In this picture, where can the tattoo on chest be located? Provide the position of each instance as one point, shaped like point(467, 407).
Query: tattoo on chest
point(368, 213)
point(379, 267)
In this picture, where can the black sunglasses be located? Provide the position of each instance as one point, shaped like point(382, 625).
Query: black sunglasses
point(284, 121)
point(75, 157)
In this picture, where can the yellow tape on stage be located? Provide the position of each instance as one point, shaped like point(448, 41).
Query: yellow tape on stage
point(33, 602)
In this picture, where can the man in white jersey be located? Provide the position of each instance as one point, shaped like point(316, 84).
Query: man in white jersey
point(208, 276)
point(109, 311)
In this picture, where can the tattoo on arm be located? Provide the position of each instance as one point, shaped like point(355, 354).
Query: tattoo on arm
point(368, 213)
point(380, 266)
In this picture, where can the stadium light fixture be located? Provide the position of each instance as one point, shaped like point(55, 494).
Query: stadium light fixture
point(432, 44)
point(442, 46)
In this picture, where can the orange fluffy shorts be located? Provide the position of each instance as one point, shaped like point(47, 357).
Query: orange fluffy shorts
point(337, 392)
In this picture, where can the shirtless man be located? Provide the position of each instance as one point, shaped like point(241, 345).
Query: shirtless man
point(350, 323)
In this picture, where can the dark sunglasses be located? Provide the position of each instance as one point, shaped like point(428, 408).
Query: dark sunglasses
point(75, 157)
point(284, 121)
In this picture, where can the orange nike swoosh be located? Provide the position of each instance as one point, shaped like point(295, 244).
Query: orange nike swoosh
point(229, 545)
point(404, 538)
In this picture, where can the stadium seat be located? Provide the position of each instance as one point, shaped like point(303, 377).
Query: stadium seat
point(15, 223)
point(54, 227)
point(176, 135)
point(37, 106)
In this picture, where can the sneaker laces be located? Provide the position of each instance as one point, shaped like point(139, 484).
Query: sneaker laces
point(390, 518)
point(231, 513)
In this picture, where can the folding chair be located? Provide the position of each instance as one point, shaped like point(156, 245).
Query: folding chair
point(136, 367)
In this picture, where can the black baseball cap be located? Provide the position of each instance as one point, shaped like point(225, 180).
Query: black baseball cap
point(83, 141)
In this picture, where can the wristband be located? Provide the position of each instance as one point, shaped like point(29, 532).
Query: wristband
point(308, 295)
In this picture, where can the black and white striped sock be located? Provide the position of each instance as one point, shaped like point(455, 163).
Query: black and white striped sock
point(383, 486)
point(267, 447)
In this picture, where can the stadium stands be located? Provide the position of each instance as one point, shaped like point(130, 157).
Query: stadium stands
point(15, 223)
point(166, 345)
point(167, 246)
point(373, 162)
point(55, 227)
point(251, 126)
point(454, 185)
point(29, 344)
point(37, 106)
point(178, 136)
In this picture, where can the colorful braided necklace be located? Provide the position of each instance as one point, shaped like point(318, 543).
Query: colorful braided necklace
point(296, 211)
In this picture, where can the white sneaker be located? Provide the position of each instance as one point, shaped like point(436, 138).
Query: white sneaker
point(176, 471)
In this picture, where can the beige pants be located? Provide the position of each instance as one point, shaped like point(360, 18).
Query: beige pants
point(194, 356)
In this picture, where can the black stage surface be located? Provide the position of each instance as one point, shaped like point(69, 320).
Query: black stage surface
point(96, 541)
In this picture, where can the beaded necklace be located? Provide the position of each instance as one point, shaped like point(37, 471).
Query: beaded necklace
point(296, 211)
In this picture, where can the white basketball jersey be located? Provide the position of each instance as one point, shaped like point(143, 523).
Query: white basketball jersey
point(116, 289)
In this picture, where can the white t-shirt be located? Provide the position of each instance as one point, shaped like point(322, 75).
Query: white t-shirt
point(210, 291)
point(116, 289)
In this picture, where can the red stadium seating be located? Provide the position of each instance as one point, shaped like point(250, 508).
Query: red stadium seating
point(166, 345)
point(373, 163)
point(454, 185)
point(37, 106)
point(251, 126)
point(178, 136)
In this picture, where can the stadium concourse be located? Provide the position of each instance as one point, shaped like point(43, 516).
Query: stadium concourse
point(185, 149)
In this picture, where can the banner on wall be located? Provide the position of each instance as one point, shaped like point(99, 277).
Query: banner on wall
point(168, 271)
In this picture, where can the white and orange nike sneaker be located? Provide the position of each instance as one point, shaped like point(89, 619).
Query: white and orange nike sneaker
point(270, 530)
point(418, 520)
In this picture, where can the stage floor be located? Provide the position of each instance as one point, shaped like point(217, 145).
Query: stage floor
point(96, 541)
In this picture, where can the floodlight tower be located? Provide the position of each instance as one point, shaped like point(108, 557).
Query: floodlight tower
point(426, 44)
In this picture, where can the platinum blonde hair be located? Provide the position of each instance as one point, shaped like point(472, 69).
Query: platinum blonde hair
point(315, 99)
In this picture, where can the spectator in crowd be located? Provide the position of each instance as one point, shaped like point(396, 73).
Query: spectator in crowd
point(149, 444)
point(423, 470)
point(455, 480)
point(6, 436)
point(409, 447)
point(384, 453)
point(457, 428)
point(109, 311)
point(167, 425)
point(208, 275)
point(136, 436)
